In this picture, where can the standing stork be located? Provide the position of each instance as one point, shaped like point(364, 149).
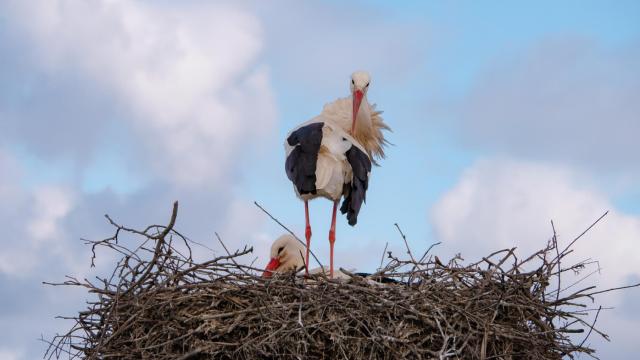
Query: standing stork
point(330, 155)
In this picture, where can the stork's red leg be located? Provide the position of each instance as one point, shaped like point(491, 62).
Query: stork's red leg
point(332, 238)
point(307, 235)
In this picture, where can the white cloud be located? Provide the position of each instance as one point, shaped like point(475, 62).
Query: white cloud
point(51, 204)
point(189, 74)
point(38, 231)
point(245, 225)
point(32, 220)
point(501, 203)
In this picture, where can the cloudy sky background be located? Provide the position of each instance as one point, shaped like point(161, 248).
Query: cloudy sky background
point(505, 116)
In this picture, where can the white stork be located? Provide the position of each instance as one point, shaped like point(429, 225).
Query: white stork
point(330, 155)
point(287, 254)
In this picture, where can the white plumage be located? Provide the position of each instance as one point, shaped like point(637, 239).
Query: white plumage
point(333, 170)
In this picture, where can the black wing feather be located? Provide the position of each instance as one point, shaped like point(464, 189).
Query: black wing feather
point(355, 192)
point(301, 162)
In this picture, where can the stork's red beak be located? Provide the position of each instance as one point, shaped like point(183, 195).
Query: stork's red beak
point(357, 100)
point(271, 266)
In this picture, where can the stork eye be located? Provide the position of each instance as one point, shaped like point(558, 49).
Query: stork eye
point(353, 82)
point(367, 85)
point(280, 249)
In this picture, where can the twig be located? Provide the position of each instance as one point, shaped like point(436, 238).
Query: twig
point(584, 232)
point(405, 243)
point(383, 252)
point(159, 242)
point(232, 257)
point(555, 246)
point(429, 249)
point(613, 289)
point(591, 327)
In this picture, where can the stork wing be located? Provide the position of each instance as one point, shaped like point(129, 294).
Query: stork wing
point(355, 192)
point(302, 155)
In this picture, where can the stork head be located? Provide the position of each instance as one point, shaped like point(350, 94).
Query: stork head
point(287, 254)
point(359, 85)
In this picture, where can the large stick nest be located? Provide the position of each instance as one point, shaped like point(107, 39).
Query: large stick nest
point(161, 304)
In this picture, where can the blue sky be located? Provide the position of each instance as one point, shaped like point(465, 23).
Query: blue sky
point(504, 115)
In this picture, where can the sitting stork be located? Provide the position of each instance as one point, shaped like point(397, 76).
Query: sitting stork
point(287, 254)
point(330, 155)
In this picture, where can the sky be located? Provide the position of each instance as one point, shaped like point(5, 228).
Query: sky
point(505, 116)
